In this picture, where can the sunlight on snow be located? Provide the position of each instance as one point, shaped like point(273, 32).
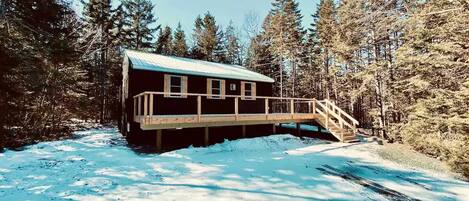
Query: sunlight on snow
point(99, 166)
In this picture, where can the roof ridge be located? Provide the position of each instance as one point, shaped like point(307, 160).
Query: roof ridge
point(174, 64)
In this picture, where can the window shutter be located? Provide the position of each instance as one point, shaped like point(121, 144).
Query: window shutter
point(253, 89)
point(209, 87)
point(167, 84)
point(223, 90)
point(242, 89)
point(184, 86)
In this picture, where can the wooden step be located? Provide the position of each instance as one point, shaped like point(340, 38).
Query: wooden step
point(338, 132)
point(349, 139)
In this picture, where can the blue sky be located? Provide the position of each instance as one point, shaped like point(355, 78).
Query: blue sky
point(170, 12)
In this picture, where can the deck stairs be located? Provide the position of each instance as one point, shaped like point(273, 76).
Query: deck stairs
point(340, 124)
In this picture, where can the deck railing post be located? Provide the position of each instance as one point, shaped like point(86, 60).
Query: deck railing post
point(236, 108)
point(145, 107)
point(327, 115)
point(309, 107)
point(314, 106)
point(139, 111)
point(199, 108)
point(354, 128)
point(151, 107)
point(292, 107)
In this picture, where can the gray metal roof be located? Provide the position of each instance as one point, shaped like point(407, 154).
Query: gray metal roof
point(172, 64)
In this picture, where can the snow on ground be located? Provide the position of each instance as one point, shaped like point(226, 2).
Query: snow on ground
point(98, 165)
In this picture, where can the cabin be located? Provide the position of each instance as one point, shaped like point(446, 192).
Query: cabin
point(163, 95)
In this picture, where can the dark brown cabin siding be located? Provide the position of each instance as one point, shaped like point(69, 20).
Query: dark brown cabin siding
point(141, 81)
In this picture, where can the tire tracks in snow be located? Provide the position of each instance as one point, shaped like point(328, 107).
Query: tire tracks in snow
point(373, 186)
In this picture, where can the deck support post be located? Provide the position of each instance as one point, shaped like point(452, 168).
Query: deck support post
point(243, 132)
point(298, 129)
point(159, 138)
point(135, 108)
point(274, 129)
point(266, 108)
point(206, 137)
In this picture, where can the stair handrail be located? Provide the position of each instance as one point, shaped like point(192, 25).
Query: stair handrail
point(334, 114)
point(342, 112)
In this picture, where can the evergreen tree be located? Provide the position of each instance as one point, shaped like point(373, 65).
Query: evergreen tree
point(261, 60)
point(434, 81)
point(325, 24)
point(141, 23)
point(208, 39)
point(180, 48)
point(233, 47)
point(287, 36)
point(196, 52)
point(104, 37)
point(119, 31)
point(97, 38)
point(164, 42)
point(309, 74)
point(348, 43)
point(42, 71)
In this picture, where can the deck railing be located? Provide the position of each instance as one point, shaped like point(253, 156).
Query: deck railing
point(143, 103)
point(144, 109)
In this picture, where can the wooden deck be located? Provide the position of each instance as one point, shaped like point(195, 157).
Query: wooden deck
point(212, 120)
point(277, 110)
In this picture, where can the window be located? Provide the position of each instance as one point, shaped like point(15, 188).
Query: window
point(248, 90)
point(233, 87)
point(215, 88)
point(175, 86)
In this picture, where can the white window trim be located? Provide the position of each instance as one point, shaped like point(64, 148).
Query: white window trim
point(243, 91)
point(221, 95)
point(183, 86)
point(175, 94)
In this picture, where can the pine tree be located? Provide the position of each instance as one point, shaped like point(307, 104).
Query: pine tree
point(208, 39)
point(325, 23)
point(180, 48)
point(42, 71)
point(119, 31)
point(348, 44)
point(141, 22)
point(309, 74)
point(287, 36)
point(233, 47)
point(164, 42)
point(104, 38)
point(434, 81)
point(261, 60)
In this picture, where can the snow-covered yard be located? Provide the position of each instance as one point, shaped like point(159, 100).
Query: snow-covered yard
point(98, 165)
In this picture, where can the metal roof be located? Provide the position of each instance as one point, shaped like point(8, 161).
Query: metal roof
point(172, 64)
